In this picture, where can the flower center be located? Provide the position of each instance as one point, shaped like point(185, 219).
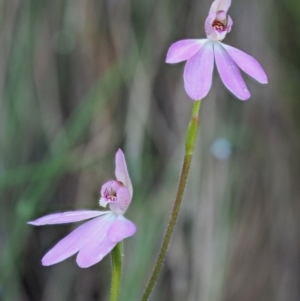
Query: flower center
point(110, 194)
point(218, 25)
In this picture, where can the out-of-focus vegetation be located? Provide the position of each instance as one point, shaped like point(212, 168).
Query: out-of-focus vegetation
point(79, 79)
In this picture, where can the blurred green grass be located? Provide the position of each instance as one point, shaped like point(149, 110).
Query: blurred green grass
point(79, 79)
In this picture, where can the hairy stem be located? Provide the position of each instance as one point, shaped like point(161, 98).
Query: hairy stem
point(116, 261)
point(189, 150)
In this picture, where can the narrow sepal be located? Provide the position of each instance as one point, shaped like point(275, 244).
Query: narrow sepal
point(121, 171)
point(77, 239)
point(247, 63)
point(66, 217)
point(183, 50)
point(198, 72)
point(230, 73)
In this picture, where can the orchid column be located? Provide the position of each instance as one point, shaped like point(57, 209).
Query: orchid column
point(200, 55)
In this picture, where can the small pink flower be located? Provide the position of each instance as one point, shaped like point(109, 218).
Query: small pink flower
point(201, 53)
point(97, 237)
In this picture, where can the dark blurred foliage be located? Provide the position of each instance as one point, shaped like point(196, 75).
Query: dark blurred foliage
point(79, 79)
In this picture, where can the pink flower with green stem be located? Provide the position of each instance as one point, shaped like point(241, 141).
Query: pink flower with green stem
point(200, 55)
point(98, 236)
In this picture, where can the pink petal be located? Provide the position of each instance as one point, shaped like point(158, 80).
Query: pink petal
point(218, 5)
point(247, 63)
point(229, 24)
point(230, 73)
point(121, 172)
point(211, 33)
point(121, 229)
point(198, 72)
point(73, 242)
point(94, 252)
point(97, 246)
point(122, 202)
point(183, 50)
point(66, 217)
point(221, 15)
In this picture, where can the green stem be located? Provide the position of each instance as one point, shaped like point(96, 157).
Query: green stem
point(189, 149)
point(116, 261)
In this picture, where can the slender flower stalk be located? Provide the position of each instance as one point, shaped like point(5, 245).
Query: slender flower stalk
point(189, 150)
point(116, 262)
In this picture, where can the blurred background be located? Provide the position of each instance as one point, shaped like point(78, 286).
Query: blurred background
point(79, 79)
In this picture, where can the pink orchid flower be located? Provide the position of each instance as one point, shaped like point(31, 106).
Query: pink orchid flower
point(201, 53)
point(97, 237)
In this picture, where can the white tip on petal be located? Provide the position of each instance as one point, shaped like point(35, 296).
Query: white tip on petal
point(183, 50)
point(103, 202)
point(198, 72)
point(230, 73)
point(121, 172)
point(66, 217)
point(247, 63)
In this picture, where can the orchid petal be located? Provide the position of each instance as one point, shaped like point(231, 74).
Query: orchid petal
point(247, 63)
point(229, 23)
point(218, 5)
point(66, 217)
point(94, 252)
point(73, 242)
point(120, 229)
point(209, 30)
point(221, 15)
point(120, 205)
point(121, 172)
point(98, 244)
point(198, 72)
point(230, 73)
point(183, 50)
